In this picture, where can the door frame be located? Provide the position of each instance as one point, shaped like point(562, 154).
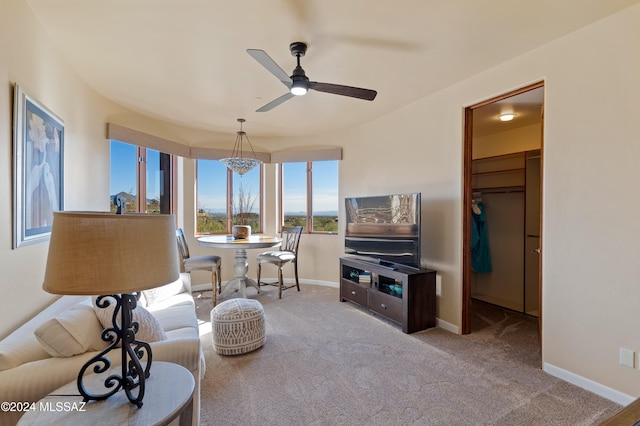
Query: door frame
point(467, 196)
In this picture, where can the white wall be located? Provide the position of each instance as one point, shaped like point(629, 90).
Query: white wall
point(517, 140)
point(28, 58)
point(590, 247)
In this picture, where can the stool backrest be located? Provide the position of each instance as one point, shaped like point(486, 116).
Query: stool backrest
point(291, 238)
point(183, 248)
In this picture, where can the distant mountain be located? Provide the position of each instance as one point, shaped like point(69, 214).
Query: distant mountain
point(214, 212)
point(129, 197)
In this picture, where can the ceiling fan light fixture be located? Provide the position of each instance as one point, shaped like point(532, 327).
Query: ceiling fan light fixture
point(299, 81)
point(506, 116)
point(298, 89)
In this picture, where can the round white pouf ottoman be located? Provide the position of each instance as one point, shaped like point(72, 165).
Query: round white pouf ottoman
point(237, 326)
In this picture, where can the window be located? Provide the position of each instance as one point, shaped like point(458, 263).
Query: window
point(224, 198)
point(294, 194)
point(143, 177)
point(309, 195)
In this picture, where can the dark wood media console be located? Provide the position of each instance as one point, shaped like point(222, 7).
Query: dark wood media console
point(403, 295)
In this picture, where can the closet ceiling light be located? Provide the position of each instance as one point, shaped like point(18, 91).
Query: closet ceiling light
point(507, 116)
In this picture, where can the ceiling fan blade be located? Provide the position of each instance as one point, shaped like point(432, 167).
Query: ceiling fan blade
point(274, 103)
point(337, 89)
point(271, 66)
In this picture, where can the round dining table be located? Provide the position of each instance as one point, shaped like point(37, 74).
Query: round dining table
point(240, 245)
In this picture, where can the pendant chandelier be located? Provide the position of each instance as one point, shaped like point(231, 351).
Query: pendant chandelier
point(238, 162)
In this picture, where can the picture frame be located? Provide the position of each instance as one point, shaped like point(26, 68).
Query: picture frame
point(38, 169)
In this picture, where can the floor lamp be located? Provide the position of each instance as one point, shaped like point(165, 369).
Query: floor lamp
point(115, 256)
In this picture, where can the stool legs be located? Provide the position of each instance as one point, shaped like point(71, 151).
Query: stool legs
point(214, 286)
point(259, 270)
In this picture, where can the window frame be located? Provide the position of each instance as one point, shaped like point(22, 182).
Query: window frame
point(229, 206)
point(309, 204)
point(141, 177)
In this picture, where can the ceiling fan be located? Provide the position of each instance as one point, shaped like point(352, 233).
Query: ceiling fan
point(298, 83)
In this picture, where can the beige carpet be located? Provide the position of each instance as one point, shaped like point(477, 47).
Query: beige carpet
point(329, 363)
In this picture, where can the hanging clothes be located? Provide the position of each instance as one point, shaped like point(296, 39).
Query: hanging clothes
point(480, 254)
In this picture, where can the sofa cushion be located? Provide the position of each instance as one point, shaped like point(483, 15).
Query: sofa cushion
point(164, 292)
point(182, 299)
point(16, 352)
point(72, 332)
point(149, 329)
point(176, 317)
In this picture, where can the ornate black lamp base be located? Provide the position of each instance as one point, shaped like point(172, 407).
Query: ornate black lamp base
point(123, 333)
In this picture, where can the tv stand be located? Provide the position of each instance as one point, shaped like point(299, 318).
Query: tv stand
point(404, 295)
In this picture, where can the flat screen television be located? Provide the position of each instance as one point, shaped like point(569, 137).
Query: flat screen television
point(384, 229)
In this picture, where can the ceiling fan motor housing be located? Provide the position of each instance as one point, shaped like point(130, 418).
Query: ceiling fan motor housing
point(298, 48)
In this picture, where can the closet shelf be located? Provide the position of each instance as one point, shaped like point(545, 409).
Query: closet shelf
point(498, 172)
point(499, 189)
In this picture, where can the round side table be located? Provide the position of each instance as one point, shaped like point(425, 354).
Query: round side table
point(168, 395)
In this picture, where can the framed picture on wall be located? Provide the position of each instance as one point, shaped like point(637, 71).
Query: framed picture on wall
point(38, 172)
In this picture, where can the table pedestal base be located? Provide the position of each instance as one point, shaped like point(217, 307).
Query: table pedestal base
point(241, 280)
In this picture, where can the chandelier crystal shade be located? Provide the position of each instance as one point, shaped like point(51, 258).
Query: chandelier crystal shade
point(238, 162)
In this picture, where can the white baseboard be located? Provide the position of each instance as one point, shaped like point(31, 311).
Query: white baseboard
point(287, 281)
point(588, 384)
point(440, 323)
point(201, 287)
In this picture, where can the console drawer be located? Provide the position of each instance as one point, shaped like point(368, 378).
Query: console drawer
point(385, 305)
point(354, 292)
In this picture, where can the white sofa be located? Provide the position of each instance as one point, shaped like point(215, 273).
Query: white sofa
point(28, 372)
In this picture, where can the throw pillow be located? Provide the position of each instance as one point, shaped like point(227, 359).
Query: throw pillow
point(73, 332)
point(164, 292)
point(149, 329)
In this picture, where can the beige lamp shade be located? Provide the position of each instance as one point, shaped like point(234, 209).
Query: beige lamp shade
point(106, 253)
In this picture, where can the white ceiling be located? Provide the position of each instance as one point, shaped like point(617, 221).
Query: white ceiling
point(526, 106)
point(185, 61)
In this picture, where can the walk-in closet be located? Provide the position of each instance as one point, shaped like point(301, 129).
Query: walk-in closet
point(506, 236)
point(503, 193)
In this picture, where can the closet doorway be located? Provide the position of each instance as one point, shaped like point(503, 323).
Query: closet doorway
point(503, 203)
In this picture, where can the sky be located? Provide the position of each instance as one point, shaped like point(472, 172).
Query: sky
point(212, 181)
point(325, 186)
point(123, 168)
